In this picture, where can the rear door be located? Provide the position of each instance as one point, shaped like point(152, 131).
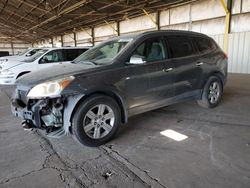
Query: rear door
point(187, 66)
point(71, 54)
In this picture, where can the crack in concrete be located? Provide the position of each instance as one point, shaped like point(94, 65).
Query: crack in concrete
point(143, 175)
point(21, 176)
point(47, 147)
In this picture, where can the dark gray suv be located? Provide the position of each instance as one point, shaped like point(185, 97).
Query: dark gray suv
point(90, 97)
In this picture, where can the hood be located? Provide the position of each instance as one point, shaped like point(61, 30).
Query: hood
point(14, 57)
point(55, 72)
point(9, 64)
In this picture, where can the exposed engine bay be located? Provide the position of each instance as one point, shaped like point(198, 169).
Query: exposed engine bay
point(46, 114)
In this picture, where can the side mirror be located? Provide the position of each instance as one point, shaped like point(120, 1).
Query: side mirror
point(137, 60)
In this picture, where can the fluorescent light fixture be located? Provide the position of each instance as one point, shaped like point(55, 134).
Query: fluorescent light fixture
point(174, 135)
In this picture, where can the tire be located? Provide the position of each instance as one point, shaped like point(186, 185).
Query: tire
point(96, 120)
point(212, 93)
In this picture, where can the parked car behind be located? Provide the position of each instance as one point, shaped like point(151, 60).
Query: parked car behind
point(45, 58)
point(4, 53)
point(27, 53)
point(119, 78)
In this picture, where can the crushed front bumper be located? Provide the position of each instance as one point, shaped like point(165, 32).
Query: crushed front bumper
point(50, 114)
point(31, 117)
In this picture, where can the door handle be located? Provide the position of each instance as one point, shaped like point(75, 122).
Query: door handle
point(199, 63)
point(167, 70)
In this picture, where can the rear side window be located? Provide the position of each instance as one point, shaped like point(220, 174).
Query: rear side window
point(204, 44)
point(180, 46)
point(71, 54)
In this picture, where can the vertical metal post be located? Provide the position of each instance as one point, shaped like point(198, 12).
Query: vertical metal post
point(62, 40)
point(118, 28)
point(158, 19)
point(75, 42)
point(93, 36)
point(151, 18)
point(110, 24)
point(52, 42)
point(227, 9)
point(12, 46)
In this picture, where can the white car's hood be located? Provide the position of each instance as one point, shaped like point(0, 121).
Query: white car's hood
point(12, 58)
point(9, 64)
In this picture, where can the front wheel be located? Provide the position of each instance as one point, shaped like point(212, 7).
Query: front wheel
point(212, 93)
point(96, 120)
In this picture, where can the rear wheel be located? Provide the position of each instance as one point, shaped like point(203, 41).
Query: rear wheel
point(212, 93)
point(96, 121)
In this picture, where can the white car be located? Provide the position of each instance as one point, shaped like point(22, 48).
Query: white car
point(47, 57)
point(27, 53)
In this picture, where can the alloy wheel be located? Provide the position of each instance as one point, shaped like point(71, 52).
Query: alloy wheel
point(214, 92)
point(99, 121)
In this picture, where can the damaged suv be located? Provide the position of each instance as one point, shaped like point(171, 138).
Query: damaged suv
point(91, 96)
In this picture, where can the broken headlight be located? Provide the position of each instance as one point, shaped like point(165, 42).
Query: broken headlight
point(50, 89)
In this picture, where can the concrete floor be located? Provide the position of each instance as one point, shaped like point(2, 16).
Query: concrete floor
point(215, 154)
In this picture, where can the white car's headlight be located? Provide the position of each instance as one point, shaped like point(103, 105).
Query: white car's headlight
point(50, 89)
point(7, 72)
point(3, 60)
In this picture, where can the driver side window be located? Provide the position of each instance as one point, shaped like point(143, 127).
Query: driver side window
point(52, 57)
point(152, 50)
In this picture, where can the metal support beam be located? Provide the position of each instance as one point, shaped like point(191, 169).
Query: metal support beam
point(151, 18)
point(118, 28)
point(93, 36)
point(158, 20)
point(12, 46)
point(65, 11)
point(62, 40)
point(52, 42)
point(75, 42)
point(109, 24)
point(227, 9)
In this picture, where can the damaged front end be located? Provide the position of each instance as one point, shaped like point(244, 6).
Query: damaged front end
point(49, 114)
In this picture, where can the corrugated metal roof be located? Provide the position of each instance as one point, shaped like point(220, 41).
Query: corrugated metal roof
point(33, 20)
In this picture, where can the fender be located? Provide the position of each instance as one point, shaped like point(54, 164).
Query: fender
point(74, 101)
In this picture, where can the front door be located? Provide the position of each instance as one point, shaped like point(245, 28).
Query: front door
point(51, 58)
point(151, 82)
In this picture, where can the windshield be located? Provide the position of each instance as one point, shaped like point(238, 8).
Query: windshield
point(24, 52)
point(35, 56)
point(104, 53)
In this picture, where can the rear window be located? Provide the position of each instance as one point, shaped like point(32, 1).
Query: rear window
point(71, 54)
point(204, 44)
point(180, 46)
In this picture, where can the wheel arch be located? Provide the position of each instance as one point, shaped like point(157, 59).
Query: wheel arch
point(112, 94)
point(22, 73)
point(218, 74)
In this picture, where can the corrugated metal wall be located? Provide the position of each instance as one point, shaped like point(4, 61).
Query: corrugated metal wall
point(14, 48)
point(238, 51)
